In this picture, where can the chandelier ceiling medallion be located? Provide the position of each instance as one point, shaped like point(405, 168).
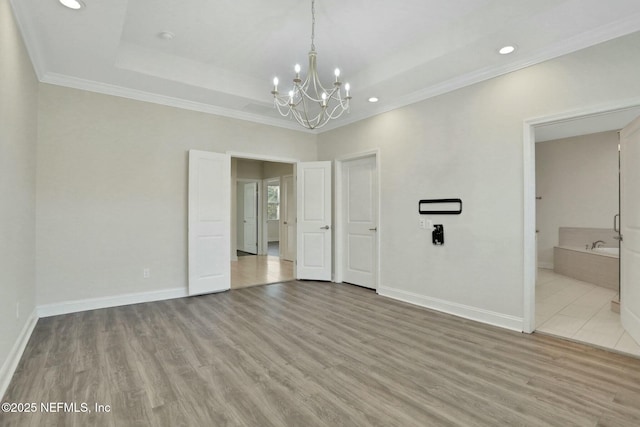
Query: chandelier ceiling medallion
point(310, 103)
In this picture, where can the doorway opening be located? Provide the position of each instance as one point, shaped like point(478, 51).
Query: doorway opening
point(263, 234)
point(572, 269)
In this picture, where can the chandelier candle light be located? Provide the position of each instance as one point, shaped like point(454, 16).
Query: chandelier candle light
point(309, 102)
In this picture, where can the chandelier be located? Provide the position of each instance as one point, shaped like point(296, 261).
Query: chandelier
point(309, 102)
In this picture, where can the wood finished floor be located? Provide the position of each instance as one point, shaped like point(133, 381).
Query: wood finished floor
point(255, 270)
point(313, 354)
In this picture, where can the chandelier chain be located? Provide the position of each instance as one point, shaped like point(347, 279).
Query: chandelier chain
point(313, 24)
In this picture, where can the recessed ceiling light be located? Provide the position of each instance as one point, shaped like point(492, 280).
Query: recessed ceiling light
point(72, 4)
point(373, 99)
point(166, 35)
point(505, 50)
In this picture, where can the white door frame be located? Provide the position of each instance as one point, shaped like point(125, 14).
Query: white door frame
point(262, 245)
point(259, 216)
point(339, 223)
point(284, 215)
point(529, 197)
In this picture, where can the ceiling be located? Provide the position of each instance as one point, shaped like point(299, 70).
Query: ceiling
point(225, 53)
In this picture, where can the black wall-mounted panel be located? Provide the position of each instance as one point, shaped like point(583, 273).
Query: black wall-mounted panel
point(440, 207)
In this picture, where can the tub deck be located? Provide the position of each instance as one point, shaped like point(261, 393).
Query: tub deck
point(588, 266)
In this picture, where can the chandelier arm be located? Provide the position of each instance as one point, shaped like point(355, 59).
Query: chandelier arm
point(339, 107)
point(312, 122)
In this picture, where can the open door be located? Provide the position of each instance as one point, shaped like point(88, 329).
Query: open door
point(630, 229)
point(209, 222)
point(313, 253)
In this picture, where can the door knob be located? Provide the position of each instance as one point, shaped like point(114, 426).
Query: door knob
point(326, 227)
point(373, 229)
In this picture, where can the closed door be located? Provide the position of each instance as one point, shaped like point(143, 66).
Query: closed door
point(360, 218)
point(288, 215)
point(313, 202)
point(630, 228)
point(250, 217)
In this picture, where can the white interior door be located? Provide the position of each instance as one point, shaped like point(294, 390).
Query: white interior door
point(250, 217)
point(630, 228)
point(360, 214)
point(209, 222)
point(288, 215)
point(314, 221)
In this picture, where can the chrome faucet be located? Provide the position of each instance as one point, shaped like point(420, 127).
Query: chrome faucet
point(597, 244)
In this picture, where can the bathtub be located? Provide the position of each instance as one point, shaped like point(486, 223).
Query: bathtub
point(599, 266)
point(612, 252)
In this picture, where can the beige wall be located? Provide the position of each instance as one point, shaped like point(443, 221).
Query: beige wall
point(112, 189)
point(18, 137)
point(250, 169)
point(277, 170)
point(577, 179)
point(469, 144)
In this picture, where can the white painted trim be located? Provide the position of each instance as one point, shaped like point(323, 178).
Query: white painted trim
point(359, 155)
point(139, 95)
point(473, 313)
point(338, 211)
point(529, 230)
point(585, 112)
point(599, 35)
point(13, 358)
point(66, 307)
point(529, 182)
point(580, 41)
point(263, 157)
point(630, 322)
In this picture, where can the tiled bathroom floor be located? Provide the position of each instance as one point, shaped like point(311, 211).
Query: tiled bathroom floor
point(581, 311)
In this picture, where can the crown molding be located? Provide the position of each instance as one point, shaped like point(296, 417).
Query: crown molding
point(596, 36)
point(138, 95)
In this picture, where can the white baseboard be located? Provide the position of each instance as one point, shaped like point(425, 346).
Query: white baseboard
point(630, 322)
point(10, 365)
point(546, 265)
point(473, 313)
point(111, 301)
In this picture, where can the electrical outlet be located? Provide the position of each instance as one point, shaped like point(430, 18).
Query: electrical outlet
point(423, 223)
point(146, 273)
